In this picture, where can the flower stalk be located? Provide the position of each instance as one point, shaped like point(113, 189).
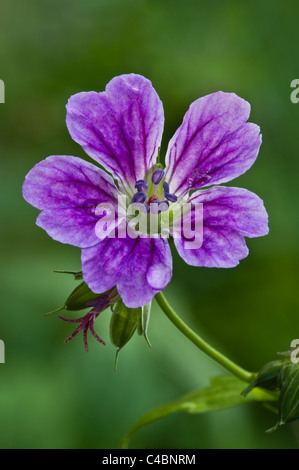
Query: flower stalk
point(201, 343)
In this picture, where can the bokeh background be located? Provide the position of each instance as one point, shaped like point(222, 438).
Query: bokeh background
point(54, 395)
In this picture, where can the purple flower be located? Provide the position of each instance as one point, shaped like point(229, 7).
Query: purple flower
point(121, 129)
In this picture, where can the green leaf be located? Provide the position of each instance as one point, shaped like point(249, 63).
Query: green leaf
point(223, 392)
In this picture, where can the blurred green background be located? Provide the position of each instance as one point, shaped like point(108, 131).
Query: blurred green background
point(54, 395)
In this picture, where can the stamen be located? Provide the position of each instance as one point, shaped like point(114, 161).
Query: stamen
point(139, 197)
point(157, 176)
point(171, 197)
point(166, 187)
point(141, 185)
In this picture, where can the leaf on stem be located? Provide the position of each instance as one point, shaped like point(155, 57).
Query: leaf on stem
point(223, 392)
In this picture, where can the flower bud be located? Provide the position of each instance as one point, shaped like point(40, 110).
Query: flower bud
point(122, 326)
point(267, 377)
point(288, 405)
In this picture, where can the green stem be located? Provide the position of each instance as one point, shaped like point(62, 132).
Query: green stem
point(202, 344)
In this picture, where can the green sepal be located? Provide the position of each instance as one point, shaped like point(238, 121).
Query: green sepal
point(288, 405)
point(143, 321)
point(54, 311)
point(78, 275)
point(267, 377)
point(122, 325)
point(80, 298)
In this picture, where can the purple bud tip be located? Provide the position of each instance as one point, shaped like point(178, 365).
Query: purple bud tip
point(171, 197)
point(166, 187)
point(139, 197)
point(141, 185)
point(157, 176)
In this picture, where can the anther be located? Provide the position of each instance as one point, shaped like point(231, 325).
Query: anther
point(139, 197)
point(171, 197)
point(157, 176)
point(166, 187)
point(141, 185)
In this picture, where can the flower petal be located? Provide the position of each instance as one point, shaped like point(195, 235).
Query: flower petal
point(229, 214)
point(68, 189)
point(139, 268)
point(120, 128)
point(213, 145)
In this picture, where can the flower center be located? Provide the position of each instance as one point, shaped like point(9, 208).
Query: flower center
point(158, 201)
point(153, 199)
